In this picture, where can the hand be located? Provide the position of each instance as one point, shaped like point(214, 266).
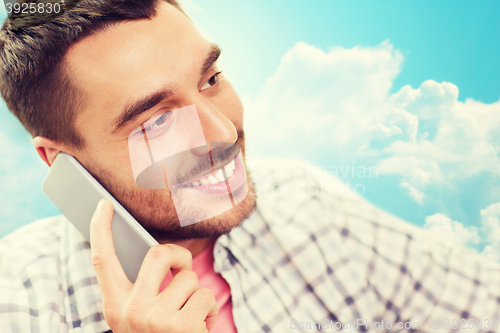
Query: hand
point(139, 306)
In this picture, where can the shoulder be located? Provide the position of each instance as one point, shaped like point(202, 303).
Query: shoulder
point(47, 279)
point(37, 242)
point(297, 192)
point(303, 198)
point(35, 230)
point(32, 240)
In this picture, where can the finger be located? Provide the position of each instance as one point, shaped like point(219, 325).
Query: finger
point(110, 275)
point(179, 290)
point(202, 306)
point(156, 264)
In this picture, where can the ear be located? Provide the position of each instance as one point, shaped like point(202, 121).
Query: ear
point(48, 149)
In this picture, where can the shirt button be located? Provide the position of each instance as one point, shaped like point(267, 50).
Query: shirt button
point(218, 249)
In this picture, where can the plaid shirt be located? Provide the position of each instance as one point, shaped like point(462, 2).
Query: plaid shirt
point(306, 260)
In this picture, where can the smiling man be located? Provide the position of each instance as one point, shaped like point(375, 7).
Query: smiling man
point(111, 76)
point(124, 76)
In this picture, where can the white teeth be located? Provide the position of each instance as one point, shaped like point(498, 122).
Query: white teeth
point(229, 170)
point(219, 175)
point(212, 180)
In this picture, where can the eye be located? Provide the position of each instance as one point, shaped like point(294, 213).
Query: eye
point(211, 82)
point(159, 123)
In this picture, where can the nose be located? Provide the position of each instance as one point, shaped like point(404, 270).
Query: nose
point(217, 128)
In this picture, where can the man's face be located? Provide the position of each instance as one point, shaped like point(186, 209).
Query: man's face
point(134, 72)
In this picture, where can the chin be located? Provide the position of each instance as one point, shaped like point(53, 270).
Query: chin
point(209, 228)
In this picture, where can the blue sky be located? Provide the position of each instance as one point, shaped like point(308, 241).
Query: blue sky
point(411, 88)
point(454, 41)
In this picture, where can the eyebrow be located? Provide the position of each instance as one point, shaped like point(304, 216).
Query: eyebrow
point(135, 109)
point(211, 59)
point(140, 106)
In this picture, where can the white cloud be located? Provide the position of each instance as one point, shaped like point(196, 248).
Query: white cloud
point(453, 231)
point(490, 220)
point(490, 217)
point(492, 252)
point(327, 95)
point(414, 192)
point(339, 102)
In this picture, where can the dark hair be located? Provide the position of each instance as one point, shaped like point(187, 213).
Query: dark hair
point(33, 79)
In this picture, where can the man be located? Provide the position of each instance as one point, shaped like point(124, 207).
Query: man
point(302, 260)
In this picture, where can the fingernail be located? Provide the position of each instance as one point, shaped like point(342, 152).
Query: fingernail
point(103, 205)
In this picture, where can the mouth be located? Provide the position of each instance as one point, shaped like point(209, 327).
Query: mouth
point(224, 168)
point(218, 176)
point(232, 173)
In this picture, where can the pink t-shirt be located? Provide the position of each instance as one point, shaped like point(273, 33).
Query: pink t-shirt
point(203, 266)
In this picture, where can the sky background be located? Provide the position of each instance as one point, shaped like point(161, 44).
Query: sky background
point(410, 88)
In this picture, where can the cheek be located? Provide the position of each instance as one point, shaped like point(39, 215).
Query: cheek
point(115, 159)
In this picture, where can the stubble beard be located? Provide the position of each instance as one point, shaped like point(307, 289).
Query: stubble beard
point(154, 209)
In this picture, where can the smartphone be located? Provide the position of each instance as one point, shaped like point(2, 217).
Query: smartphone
point(76, 193)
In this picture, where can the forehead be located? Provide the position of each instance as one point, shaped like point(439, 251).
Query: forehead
point(136, 57)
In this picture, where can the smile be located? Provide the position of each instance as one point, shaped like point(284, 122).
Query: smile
point(214, 177)
point(226, 179)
